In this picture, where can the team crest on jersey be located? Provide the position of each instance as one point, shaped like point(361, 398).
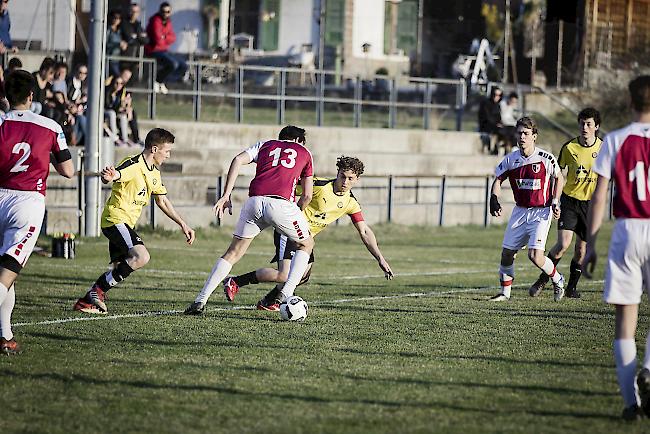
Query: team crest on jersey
point(339, 205)
point(536, 167)
point(594, 155)
point(155, 181)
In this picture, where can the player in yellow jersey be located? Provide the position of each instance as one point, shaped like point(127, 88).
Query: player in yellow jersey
point(577, 156)
point(135, 179)
point(332, 198)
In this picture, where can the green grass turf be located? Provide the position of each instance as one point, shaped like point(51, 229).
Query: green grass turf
point(445, 361)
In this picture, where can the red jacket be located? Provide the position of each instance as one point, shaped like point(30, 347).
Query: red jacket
point(161, 36)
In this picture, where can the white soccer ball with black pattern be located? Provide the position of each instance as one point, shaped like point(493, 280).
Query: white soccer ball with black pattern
point(294, 309)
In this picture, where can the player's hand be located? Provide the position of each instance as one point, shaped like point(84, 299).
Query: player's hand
point(222, 204)
point(388, 272)
point(190, 236)
point(495, 206)
point(589, 261)
point(556, 211)
point(109, 173)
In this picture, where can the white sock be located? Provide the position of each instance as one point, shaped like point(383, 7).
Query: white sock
point(549, 268)
point(298, 267)
point(646, 360)
point(5, 313)
point(506, 277)
point(625, 358)
point(219, 272)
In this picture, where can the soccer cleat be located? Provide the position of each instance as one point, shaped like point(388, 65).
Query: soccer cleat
point(196, 308)
point(83, 305)
point(538, 286)
point(97, 296)
point(499, 297)
point(558, 289)
point(572, 293)
point(9, 347)
point(273, 306)
point(643, 383)
point(632, 413)
point(230, 288)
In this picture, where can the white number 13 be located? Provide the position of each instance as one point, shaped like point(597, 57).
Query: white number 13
point(288, 162)
point(26, 150)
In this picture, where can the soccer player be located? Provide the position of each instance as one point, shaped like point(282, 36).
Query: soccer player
point(135, 179)
point(280, 164)
point(578, 156)
point(332, 198)
point(625, 158)
point(26, 142)
point(532, 173)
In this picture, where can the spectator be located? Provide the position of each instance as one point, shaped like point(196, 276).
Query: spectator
point(131, 115)
point(60, 79)
point(62, 116)
point(161, 37)
point(6, 45)
point(133, 34)
point(509, 116)
point(14, 63)
point(115, 108)
point(43, 89)
point(489, 120)
point(114, 42)
point(78, 87)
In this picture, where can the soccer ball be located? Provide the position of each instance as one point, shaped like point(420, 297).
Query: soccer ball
point(294, 309)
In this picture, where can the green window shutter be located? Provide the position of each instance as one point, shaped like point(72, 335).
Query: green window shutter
point(334, 22)
point(387, 29)
point(407, 26)
point(270, 24)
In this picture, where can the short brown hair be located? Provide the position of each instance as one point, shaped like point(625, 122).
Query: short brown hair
point(344, 163)
point(157, 137)
point(640, 93)
point(18, 86)
point(527, 122)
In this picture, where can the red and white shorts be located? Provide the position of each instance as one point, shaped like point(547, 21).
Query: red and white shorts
point(260, 212)
point(528, 226)
point(21, 216)
point(628, 262)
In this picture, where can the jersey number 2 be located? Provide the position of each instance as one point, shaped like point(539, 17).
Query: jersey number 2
point(288, 162)
point(26, 150)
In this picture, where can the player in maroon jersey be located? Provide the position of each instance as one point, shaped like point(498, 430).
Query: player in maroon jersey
point(26, 142)
point(280, 165)
point(532, 173)
point(625, 158)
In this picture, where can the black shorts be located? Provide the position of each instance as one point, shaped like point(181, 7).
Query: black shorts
point(285, 248)
point(121, 238)
point(573, 215)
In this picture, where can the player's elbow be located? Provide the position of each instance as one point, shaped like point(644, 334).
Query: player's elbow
point(66, 170)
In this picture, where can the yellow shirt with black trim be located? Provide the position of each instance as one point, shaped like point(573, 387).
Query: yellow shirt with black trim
point(581, 179)
point(132, 191)
point(326, 206)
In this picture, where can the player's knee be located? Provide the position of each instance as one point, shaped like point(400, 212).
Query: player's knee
point(536, 256)
point(140, 259)
point(308, 243)
point(507, 257)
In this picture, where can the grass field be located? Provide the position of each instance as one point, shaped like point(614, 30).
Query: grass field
point(423, 353)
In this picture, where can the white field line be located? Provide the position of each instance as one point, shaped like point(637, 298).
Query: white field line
point(233, 308)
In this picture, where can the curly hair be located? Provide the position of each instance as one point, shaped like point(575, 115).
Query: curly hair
point(349, 163)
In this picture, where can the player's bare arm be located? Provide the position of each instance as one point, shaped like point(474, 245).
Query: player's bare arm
point(555, 206)
point(166, 206)
point(495, 206)
point(224, 201)
point(65, 168)
point(307, 192)
point(370, 241)
point(594, 220)
point(109, 173)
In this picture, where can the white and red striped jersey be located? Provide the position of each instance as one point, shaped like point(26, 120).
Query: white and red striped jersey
point(625, 157)
point(26, 141)
point(280, 164)
point(531, 178)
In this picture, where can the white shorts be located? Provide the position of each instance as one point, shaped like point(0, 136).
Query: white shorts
point(260, 212)
point(21, 216)
point(628, 262)
point(527, 226)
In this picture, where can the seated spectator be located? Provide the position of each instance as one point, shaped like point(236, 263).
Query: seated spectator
point(14, 63)
point(114, 42)
point(77, 86)
point(60, 79)
point(509, 116)
point(115, 108)
point(62, 116)
point(161, 37)
point(6, 44)
point(134, 36)
point(489, 120)
point(43, 91)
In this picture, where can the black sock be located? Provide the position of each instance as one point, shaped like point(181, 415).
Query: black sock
point(272, 295)
point(576, 272)
point(246, 279)
point(111, 278)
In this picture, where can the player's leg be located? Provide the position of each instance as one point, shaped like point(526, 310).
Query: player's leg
point(299, 265)
point(538, 225)
point(271, 301)
point(283, 253)
point(575, 269)
point(624, 347)
point(514, 238)
point(506, 274)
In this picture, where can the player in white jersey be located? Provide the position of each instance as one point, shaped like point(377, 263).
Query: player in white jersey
point(536, 183)
point(625, 159)
point(27, 141)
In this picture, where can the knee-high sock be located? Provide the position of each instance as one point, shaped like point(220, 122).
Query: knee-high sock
point(625, 357)
point(6, 308)
point(219, 272)
point(111, 278)
point(506, 277)
point(576, 272)
point(549, 268)
point(3, 293)
point(298, 267)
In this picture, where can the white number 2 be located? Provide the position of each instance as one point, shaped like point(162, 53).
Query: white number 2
point(642, 181)
point(289, 162)
point(26, 150)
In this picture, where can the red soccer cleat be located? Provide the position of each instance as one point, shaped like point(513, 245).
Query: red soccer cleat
point(9, 347)
point(270, 307)
point(230, 288)
point(92, 302)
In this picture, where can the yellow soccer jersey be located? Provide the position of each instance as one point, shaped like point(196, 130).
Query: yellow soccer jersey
point(581, 180)
point(132, 191)
point(326, 206)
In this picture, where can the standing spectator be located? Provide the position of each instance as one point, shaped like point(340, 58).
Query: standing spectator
point(161, 37)
point(43, 89)
point(114, 42)
point(133, 34)
point(60, 79)
point(489, 120)
point(127, 98)
point(115, 108)
point(5, 29)
point(509, 111)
